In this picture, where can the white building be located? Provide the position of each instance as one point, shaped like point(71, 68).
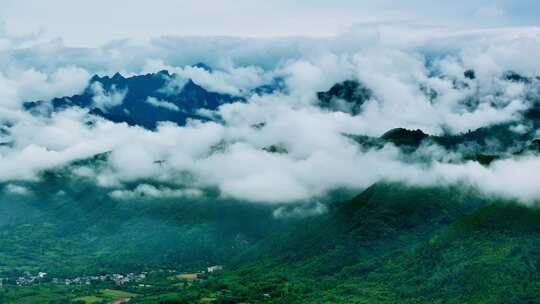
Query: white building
point(214, 268)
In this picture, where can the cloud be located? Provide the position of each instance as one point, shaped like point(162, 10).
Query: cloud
point(229, 154)
point(75, 23)
point(17, 86)
point(233, 80)
point(16, 189)
point(65, 81)
point(106, 99)
point(512, 178)
point(152, 192)
point(301, 211)
point(162, 104)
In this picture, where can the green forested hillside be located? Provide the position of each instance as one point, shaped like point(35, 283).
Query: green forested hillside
point(68, 227)
point(394, 244)
point(391, 243)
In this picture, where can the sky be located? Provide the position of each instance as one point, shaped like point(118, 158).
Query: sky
point(93, 23)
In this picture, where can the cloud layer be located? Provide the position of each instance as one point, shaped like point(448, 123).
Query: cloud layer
point(398, 64)
point(76, 22)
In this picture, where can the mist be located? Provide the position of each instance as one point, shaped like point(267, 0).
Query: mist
point(228, 154)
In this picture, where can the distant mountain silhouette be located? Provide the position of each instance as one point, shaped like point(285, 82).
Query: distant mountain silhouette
point(142, 100)
point(347, 96)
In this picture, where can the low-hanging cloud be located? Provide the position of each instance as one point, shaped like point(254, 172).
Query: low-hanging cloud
point(231, 155)
point(162, 104)
point(104, 99)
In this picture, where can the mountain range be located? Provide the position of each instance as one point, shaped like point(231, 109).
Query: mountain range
point(389, 243)
point(142, 100)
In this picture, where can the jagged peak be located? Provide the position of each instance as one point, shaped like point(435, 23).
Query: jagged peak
point(164, 72)
point(405, 137)
point(203, 66)
point(117, 76)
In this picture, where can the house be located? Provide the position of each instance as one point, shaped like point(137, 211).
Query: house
point(214, 268)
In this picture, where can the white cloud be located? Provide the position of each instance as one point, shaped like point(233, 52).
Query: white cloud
point(229, 155)
point(35, 85)
point(301, 211)
point(152, 192)
point(162, 104)
point(75, 22)
point(104, 99)
point(16, 189)
point(513, 178)
point(233, 80)
point(17, 86)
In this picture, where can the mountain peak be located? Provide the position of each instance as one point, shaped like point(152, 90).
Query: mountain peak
point(347, 96)
point(203, 66)
point(401, 136)
point(135, 109)
point(117, 76)
point(164, 72)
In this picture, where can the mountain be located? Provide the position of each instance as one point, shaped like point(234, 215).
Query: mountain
point(392, 243)
point(347, 96)
point(276, 85)
point(68, 229)
point(204, 66)
point(396, 244)
point(404, 137)
point(483, 145)
point(143, 100)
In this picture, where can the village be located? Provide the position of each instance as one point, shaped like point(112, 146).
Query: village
point(41, 277)
point(28, 278)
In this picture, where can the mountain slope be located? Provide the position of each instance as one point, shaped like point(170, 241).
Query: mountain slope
point(68, 227)
point(396, 244)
